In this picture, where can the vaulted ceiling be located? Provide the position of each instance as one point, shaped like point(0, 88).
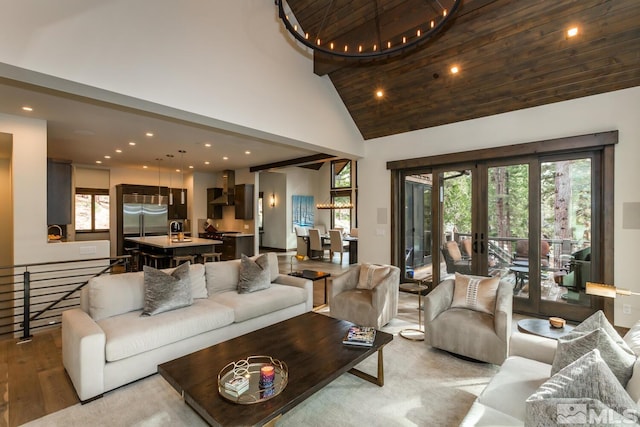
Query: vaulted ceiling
point(512, 54)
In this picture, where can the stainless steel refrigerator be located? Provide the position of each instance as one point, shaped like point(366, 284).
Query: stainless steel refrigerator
point(144, 215)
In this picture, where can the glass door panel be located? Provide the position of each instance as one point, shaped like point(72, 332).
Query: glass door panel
point(417, 226)
point(508, 225)
point(456, 224)
point(565, 206)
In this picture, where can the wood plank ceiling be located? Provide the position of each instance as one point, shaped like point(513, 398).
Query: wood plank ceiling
point(512, 54)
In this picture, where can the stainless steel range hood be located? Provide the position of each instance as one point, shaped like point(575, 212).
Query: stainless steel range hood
point(228, 189)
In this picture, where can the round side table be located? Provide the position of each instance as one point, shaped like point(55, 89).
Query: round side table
point(417, 287)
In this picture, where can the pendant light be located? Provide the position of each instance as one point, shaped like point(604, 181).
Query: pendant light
point(170, 156)
point(182, 195)
point(159, 193)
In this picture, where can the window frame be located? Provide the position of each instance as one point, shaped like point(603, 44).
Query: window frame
point(93, 192)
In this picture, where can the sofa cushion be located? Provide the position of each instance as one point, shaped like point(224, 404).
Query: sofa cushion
point(224, 276)
point(371, 275)
point(110, 295)
point(576, 344)
point(164, 292)
point(130, 334)
point(517, 379)
point(585, 385)
point(475, 293)
point(598, 320)
point(198, 282)
point(254, 274)
point(248, 306)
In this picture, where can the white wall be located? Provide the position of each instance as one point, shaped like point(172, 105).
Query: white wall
point(275, 218)
point(29, 170)
point(605, 112)
point(230, 61)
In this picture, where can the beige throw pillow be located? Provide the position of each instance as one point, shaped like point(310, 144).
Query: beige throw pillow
point(371, 275)
point(475, 293)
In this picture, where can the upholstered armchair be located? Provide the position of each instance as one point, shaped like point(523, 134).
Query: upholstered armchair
point(454, 260)
point(481, 332)
point(366, 295)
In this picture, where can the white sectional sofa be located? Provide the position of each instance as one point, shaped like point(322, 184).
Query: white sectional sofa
point(503, 401)
point(107, 343)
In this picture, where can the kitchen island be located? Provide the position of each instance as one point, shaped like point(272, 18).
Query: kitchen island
point(162, 245)
point(234, 244)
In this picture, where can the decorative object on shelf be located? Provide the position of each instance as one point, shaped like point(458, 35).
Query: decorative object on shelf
point(182, 195)
point(608, 291)
point(367, 30)
point(266, 376)
point(557, 322)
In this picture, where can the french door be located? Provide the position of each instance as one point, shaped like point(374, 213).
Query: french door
point(530, 220)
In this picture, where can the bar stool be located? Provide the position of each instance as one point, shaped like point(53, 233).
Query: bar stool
point(155, 259)
point(215, 256)
point(135, 258)
point(178, 259)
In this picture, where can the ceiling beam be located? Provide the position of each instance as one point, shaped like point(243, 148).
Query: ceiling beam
point(300, 161)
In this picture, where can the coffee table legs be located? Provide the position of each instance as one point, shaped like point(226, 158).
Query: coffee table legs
point(379, 380)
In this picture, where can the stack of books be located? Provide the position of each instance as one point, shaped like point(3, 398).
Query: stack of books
point(236, 386)
point(360, 335)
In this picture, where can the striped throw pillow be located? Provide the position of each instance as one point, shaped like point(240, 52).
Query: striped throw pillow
point(475, 293)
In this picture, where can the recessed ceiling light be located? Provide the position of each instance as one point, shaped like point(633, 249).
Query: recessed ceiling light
point(99, 162)
point(207, 145)
point(572, 32)
point(455, 69)
point(149, 134)
point(206, 163)
point(118, 151)
point(190, 166)
point(247, 152)
point(132, 143)
point(27, 108)
point(177, 170)
point(225, 158)
point(107, 157)
point(379, 93)
point(144, 166)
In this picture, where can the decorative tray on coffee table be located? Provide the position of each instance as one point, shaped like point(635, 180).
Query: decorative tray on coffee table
point(250, 368)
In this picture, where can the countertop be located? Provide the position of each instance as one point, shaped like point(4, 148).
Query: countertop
point(164, 242)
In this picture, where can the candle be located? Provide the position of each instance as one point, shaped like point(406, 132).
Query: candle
point(267, 374)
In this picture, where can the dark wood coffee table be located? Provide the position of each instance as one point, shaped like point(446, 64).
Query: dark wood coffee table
point(310, 345)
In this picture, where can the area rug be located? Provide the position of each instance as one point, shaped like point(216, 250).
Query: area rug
point(423, 386)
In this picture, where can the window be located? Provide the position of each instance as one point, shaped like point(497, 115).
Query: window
point(341, 218)
point(92, 210)
point(341, 174)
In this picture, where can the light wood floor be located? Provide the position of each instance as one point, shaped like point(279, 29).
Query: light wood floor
point(33, 382)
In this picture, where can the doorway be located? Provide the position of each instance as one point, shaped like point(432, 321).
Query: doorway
point(529, 219)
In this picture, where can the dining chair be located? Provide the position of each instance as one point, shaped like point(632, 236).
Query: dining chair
point(353, 232)
point(337, 244)
point(315, 242)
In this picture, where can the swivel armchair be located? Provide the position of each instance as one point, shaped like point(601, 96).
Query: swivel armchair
point(469, 332)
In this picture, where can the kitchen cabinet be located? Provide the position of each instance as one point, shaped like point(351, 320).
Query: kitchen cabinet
point(214, 211)
point(58, 192)
point(244, 201)
point(235, 245)
point(178, 210)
